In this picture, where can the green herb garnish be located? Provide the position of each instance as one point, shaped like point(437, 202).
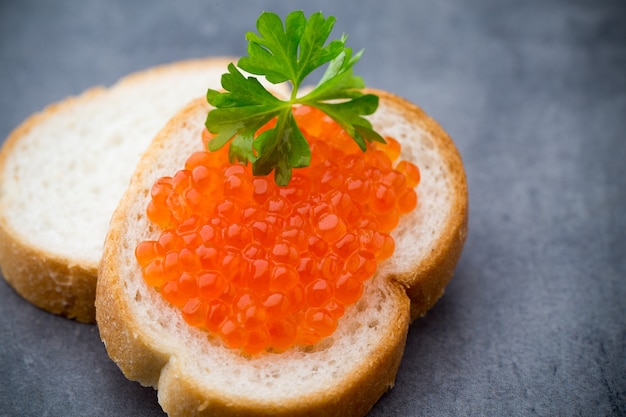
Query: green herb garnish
point(288, 53)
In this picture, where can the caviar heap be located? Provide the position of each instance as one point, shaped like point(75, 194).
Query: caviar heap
point(265, 267)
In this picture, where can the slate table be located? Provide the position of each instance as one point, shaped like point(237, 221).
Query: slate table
point(534, 94)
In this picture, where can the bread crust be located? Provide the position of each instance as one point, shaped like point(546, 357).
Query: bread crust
point(426, 281)
point(54, 282)
point(142, 359)
point(47, 281)
point(51, 282)
point(143, 356)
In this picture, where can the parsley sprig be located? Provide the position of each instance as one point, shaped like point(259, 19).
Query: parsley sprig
point(281, 54)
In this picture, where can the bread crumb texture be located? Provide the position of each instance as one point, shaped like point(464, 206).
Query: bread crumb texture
point(345, 373)
point(68, 166)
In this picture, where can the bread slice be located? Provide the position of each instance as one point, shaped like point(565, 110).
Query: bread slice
point(63, 171)
point(343, 374)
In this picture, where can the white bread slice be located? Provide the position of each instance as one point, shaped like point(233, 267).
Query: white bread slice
point(63, 171)
point(342, 375)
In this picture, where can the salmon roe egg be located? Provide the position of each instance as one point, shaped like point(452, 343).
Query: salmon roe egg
point(262, 267)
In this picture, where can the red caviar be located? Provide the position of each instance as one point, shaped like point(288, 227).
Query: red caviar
point(265, 267)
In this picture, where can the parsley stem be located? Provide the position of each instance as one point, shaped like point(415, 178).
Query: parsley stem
point(287, 55)
point(294, 94)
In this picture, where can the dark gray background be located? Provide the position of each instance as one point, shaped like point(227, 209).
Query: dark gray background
point(534, 94)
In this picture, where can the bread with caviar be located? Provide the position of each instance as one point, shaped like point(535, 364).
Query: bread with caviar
point(344, 373)
point(63, 171)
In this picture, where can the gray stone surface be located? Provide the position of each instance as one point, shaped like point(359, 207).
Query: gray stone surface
point(534, 94)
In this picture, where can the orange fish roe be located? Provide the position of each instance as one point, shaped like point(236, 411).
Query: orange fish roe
point(265, 267)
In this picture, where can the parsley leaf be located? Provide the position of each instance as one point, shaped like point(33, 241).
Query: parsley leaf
point(287, 53)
